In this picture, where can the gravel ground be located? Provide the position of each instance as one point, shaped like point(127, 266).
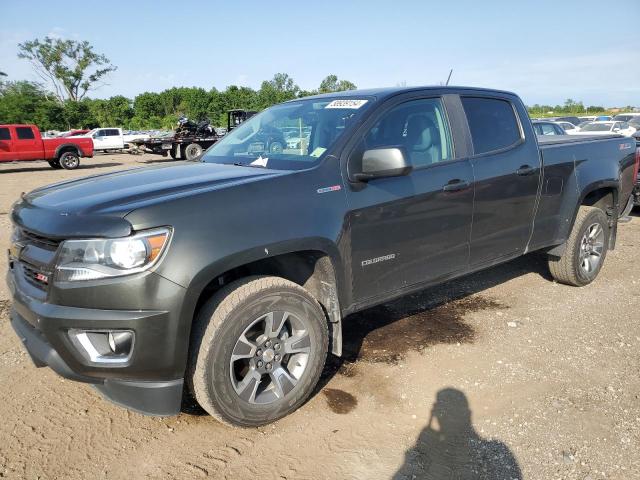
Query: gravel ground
point(503, 374)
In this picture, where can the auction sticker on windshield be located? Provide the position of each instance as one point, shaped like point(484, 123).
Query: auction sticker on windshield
point(355, 104)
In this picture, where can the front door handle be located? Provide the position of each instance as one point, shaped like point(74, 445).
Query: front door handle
point(456, 185)
point(525, 170)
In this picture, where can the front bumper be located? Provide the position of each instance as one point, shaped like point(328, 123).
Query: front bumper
point(151, 381)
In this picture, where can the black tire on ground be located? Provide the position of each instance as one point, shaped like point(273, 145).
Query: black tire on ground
point(276, 147)
point(69, 160)
point(173, 152)
point(586, 249)
point(55, 164)
point(236, 312)
point(192, 151)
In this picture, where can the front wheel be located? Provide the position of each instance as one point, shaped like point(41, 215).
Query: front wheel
point(258, 348)
point(69, 160)
point(585, 250)
point(55, 164)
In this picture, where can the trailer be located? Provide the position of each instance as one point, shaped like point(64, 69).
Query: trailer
point(186, 146)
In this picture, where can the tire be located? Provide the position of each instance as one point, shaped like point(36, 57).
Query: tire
point(192, 151)
point(571, 268)
point(55, 164)
point(173, 152)
point(241, 310)
point(69, 160)
point(275, 147)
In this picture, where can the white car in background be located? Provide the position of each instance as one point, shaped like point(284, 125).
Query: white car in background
point(111, 138)
point(605, 128)
point(568, 127)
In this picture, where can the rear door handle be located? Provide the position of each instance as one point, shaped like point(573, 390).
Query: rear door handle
point(525, 170)
point(456, 185)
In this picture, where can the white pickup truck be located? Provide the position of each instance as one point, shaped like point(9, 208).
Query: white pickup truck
point(111, 138)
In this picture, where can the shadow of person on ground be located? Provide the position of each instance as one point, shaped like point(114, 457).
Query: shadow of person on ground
point(450, 448)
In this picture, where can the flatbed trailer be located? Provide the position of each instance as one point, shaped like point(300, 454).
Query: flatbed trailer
point(185, 146)
point(177, 147)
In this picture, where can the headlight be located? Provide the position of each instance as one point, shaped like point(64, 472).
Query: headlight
point(107, 257)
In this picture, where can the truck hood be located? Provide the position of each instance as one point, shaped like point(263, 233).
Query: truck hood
point(78, 207)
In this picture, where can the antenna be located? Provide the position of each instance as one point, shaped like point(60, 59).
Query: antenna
point(449, 77)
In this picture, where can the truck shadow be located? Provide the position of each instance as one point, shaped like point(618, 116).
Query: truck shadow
point(450, 447)
point(44, 167)
point(386, 333)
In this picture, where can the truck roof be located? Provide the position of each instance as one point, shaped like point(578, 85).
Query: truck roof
point(385, 92)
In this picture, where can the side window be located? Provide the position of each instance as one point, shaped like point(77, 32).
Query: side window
point(112, 132)
point(538, 129)
point(420, 126)
point(24, 133)
point(100, 133)
point(492, 123)
point(4, 134)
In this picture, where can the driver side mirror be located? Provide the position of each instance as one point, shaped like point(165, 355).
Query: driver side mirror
point(383, 162)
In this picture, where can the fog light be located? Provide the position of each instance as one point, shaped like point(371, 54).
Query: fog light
point(106, 346)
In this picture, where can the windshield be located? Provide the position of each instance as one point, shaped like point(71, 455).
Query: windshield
point(289, 136)
point(597, 127)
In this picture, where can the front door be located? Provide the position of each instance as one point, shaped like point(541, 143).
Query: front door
point(507, 175)
point(411, 229)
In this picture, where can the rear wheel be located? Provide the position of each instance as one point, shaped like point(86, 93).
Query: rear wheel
point(259, 347)
point(55, 164)
point(192, 151)
point(69, 160)
point(585, 250)
point(276, 147)
point(173, 152)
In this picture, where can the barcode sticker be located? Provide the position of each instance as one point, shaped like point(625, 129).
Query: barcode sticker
point(355, 104)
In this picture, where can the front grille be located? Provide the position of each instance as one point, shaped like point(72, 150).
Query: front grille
point(35, 276)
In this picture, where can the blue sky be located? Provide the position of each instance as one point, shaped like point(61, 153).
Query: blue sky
point(547, 51)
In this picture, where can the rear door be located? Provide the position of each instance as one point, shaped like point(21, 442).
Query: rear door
point(6, 145)
point(410, 229)
point(27, 144)
point(506, 167)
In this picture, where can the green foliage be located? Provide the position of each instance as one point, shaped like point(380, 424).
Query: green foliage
point(71, 67)
point(25, 102)
point(331, 84)
point(570, 107)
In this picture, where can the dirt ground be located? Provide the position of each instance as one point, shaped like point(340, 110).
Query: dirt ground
point(503, 374)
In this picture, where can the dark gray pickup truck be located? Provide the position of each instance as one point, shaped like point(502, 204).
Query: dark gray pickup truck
point(229, 276)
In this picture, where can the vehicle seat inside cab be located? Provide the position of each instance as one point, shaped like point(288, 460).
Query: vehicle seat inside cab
point(422, 141)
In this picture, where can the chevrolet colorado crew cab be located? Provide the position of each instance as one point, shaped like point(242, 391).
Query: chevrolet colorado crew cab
point(228, 277)
point(24, 142)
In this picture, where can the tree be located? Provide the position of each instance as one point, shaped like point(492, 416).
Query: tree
point(277, 90)
point(27, 102)
point(71, 67)
point(331, 84)
point(114, 112)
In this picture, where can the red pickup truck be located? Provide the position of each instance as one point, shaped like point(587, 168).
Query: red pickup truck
point(24, 142)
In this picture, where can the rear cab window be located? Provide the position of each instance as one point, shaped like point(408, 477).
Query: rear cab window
point(492, 122)
point(25, 133)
